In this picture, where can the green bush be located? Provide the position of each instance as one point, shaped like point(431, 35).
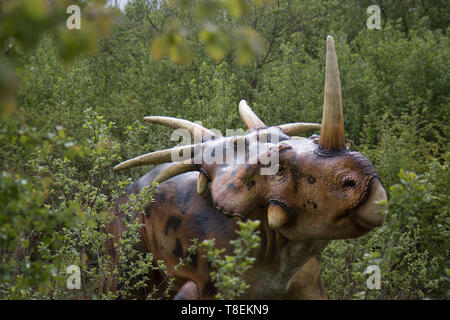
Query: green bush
point(57, 218)
point(410, 249)
point(229, 270)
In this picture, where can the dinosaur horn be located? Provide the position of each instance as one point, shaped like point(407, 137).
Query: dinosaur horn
point(293, 129)
point(277, 216)
point(332, 131)
point(249, 117)
point(202, 182)
point(197, 130)
point(154, 157)
point(176, 169)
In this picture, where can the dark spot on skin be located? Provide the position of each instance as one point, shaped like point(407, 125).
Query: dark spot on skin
point(311, 203)
point(178, 251)
point(172, 222)
point(147, 211)
point(250, 185)
point(185, 194)
point(161, 197)
point(209, 289)
point(207, 220)
point(200, 222)
point(311, 180)
point(295, 174)
point(231, 187)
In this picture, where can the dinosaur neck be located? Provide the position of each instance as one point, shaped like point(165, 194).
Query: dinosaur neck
point(274, 244)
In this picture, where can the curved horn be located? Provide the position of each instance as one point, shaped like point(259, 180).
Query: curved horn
point(176, 169)
point(202, 182)
point(197, 130)
point(293, 129)
point(332, 131)
point(154, 157)
point(249, 117)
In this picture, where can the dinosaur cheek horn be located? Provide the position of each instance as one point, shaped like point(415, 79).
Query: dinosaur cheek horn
point(276, 216)
point(202, 182)
point(332, 131)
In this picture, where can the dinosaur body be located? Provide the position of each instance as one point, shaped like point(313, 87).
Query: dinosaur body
point(305, 192)
point(180, 214)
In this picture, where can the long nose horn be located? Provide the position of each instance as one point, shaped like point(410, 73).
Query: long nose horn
point(332, 130)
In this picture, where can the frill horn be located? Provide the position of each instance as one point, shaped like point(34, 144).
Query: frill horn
point(176, 169)
point(249, 117)
point(293, 129)
point(332, 131)
point(197, 130)
point(156, 157)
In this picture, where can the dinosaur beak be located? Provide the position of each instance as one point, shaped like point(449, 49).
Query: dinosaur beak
point(372, 213)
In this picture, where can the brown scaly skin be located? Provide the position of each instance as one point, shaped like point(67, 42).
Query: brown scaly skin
point(305, 284)
point(321, 195)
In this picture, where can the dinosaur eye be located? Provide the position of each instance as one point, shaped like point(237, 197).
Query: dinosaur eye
point(349, 183)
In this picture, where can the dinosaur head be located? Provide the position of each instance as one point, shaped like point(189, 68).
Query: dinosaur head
point(307, 189)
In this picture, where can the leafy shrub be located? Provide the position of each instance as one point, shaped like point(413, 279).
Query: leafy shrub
point(411, 248)
point(57, 218)
point(228, 276)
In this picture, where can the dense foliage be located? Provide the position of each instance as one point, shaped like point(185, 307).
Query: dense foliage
point(72, 123)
